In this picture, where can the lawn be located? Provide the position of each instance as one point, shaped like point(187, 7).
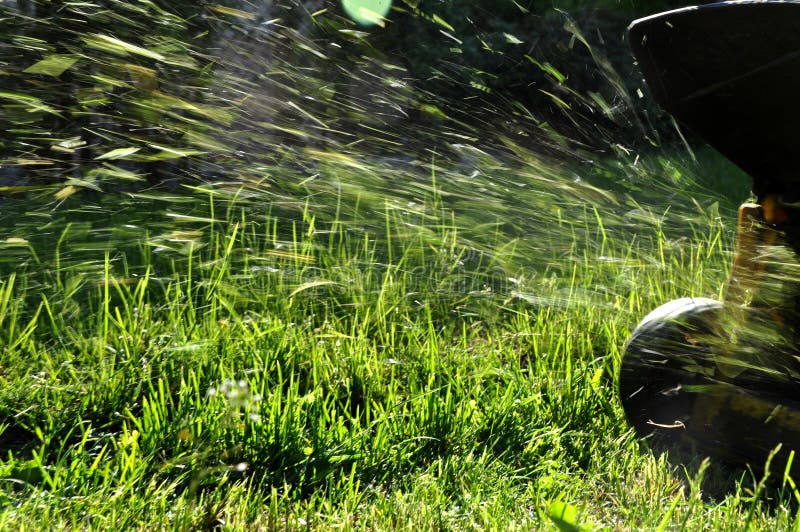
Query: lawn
point(271, 270)
point(443, 356)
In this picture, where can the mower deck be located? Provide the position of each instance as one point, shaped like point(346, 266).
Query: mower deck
point(723, 377)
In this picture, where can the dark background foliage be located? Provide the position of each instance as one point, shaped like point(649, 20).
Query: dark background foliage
point(169, 91)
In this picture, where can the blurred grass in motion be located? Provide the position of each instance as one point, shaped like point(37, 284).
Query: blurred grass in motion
point(344, 306)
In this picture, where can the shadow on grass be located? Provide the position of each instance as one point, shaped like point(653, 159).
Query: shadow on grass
point(771, 484)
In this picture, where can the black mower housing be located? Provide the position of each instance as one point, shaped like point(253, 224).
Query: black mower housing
point(730, 71)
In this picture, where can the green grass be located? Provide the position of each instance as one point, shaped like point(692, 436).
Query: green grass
point(374, 351)
point(381, 316)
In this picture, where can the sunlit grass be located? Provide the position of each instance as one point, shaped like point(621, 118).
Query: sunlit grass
point(413, 360)
point(357, 303)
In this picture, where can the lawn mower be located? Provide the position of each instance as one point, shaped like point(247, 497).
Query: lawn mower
point(722, 378)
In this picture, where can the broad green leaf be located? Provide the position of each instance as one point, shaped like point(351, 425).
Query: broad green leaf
point(334, 157)
point(440, 21)
point(22, 188)
point(109, 171)
point(72, 143)
point(311, 50)
point(567, 518)
point(33, 104)
point(119, 153)
point(119, 47)
point(602, 104)
point(83, 183)
point(291, 131)
point(480, 86)
point(232, 12)
point(206, 142)
point(521, 8)
point(68, 145)
point(547, 68)
point(31, 162)
point(433, 110)
point(53, 65)
point(171, 153)
point(65, 192)
point(561, 103)
point(355, 33)
point(217, 114)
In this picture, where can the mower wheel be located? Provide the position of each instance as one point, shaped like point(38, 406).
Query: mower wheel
point(667, 354)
